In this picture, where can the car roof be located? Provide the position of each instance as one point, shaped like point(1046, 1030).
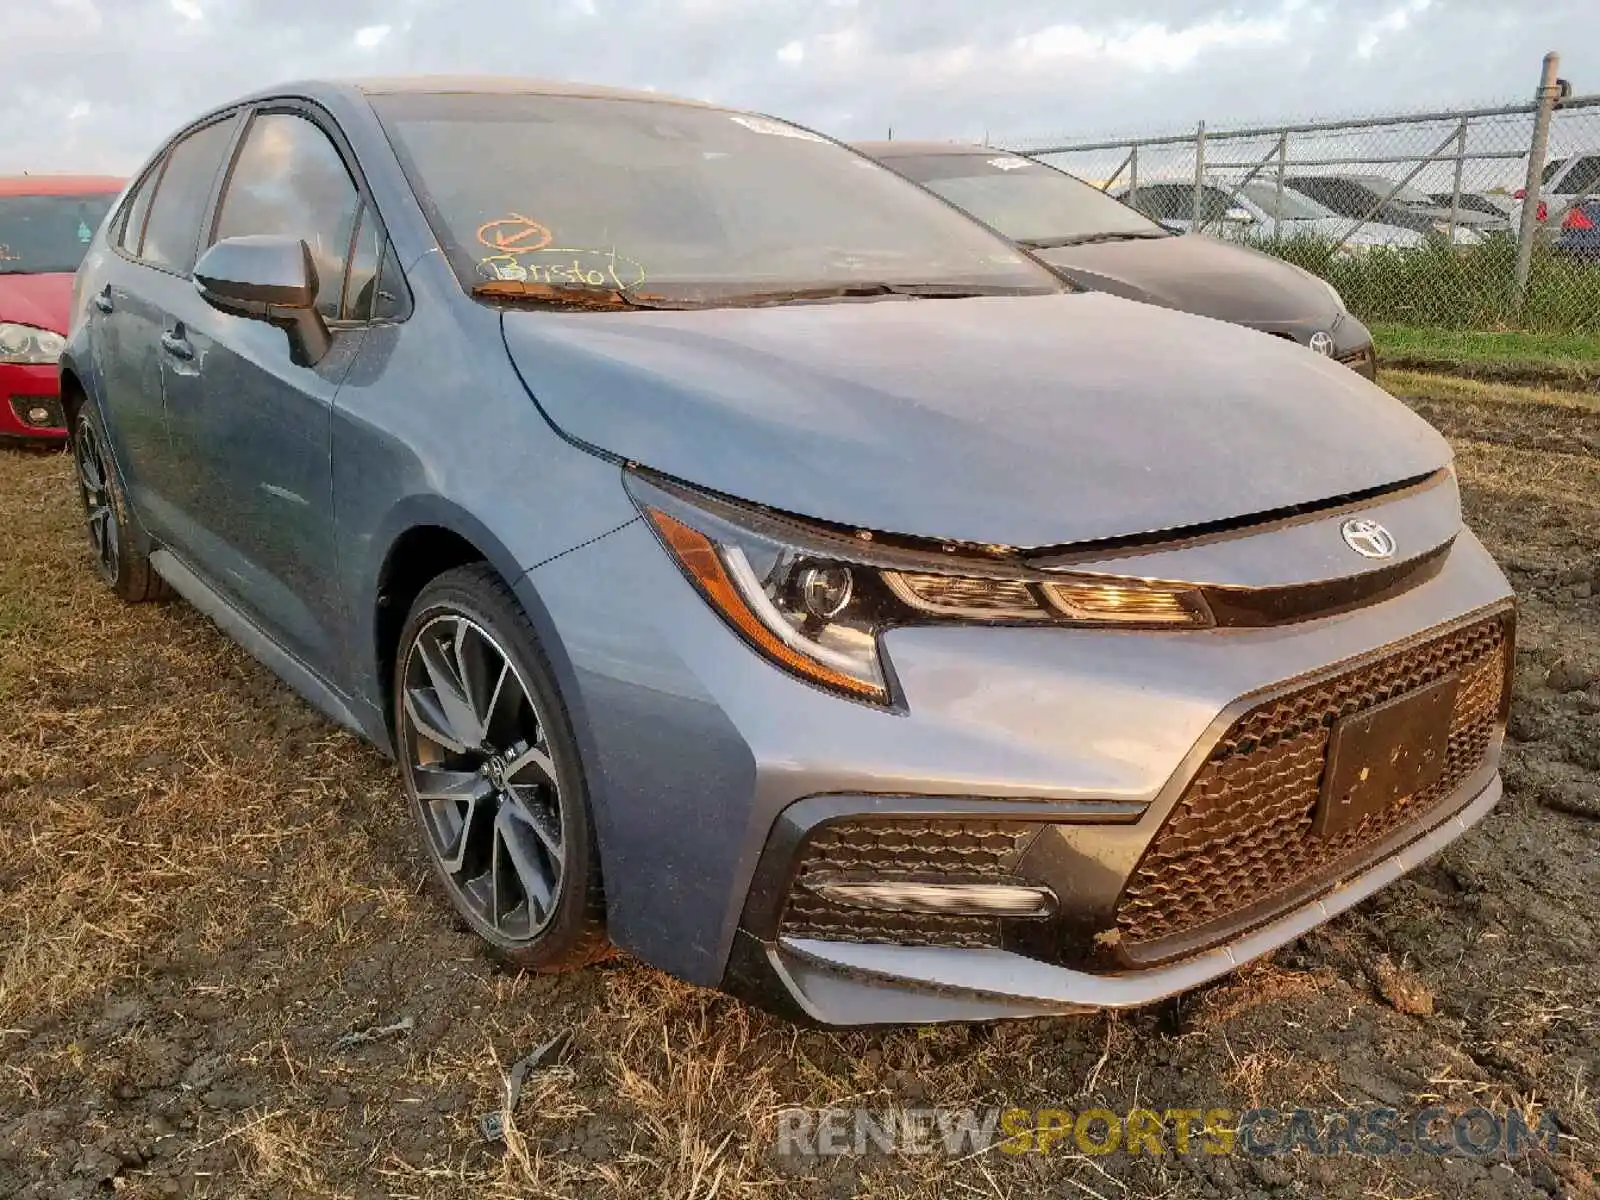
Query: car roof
point(480, 85)
point(923, 149)
point(60, 185)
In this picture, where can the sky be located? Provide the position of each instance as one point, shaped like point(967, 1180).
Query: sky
point(95, 85)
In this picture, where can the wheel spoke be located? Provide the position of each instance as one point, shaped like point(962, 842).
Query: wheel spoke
point(498, 694)
point(473, 829)
point(536, 880)
point(89, 474)
point(533, 760)
point(429, 721)
point(482, 673)
point(435, 784)
point(546, 826)
point(448, 686)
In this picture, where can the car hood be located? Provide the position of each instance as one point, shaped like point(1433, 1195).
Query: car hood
point(1022, 421)
point(42, 301)
point(1200, 275)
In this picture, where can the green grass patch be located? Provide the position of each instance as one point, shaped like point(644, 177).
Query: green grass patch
point(1498, 346)
point(1442, 287)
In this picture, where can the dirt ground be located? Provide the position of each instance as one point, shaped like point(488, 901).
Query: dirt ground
point(204, 887)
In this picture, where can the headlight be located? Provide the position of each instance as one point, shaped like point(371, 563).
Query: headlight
point(26, 344)
point(816, 601)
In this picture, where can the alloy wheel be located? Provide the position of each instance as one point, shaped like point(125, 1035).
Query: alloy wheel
point(100, 513)
point(477, 758)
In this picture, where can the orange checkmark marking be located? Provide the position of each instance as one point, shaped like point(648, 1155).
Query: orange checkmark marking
point(514, 233)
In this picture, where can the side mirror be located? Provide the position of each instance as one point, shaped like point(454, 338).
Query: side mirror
point(272, 279)
point(1239, 215)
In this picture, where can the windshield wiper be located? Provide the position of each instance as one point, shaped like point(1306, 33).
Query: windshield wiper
point(867, 290)
point(577, 297)
point(1084, 239)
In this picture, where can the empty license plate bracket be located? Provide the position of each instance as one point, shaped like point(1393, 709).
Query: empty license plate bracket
point(1384, 755)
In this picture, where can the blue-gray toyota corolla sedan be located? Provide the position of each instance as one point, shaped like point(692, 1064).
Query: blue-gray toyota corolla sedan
point(755, 564)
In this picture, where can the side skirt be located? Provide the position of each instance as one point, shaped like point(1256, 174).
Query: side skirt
point(241, 629)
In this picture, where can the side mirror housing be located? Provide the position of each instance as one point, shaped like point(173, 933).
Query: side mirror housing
point(268, 278)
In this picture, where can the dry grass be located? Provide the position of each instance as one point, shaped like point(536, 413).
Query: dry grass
point(203, 886)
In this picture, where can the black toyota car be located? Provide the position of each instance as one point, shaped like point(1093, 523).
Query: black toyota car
point(1101, 244)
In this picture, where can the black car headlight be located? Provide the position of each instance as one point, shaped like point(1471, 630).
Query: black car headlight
point(816, 600)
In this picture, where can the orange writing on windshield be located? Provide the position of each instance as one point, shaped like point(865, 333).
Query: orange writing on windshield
point(515, 233)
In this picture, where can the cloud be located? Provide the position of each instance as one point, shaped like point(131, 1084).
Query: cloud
point(1019, 70)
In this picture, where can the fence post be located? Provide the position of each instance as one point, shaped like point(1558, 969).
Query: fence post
point(1529, 228)
point(1199, 170)
point(1277, 213)
point(1455, 194)
point(1133, 176)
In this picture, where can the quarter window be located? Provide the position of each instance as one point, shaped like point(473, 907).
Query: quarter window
point(290, 181)
point(182, 194)
point(372, 291)
point(135, 211)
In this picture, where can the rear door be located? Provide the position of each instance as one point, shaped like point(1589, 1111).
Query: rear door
point(258, 428)
point(154, 243)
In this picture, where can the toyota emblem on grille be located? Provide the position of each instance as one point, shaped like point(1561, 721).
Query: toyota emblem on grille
point(1367, 538)
point(1322, 343)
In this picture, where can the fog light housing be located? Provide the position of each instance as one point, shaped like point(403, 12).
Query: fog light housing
point(38, 412)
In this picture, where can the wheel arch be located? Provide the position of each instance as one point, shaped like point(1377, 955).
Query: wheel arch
point(423, 539)
point(73, 392)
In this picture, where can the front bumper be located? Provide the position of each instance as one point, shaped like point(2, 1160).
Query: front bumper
point(696, 750)
point(1230, 862)
point(1352, 341)
point(844, 983)
point(26, 392)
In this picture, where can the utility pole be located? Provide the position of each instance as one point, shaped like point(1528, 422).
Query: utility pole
point(1549, 92)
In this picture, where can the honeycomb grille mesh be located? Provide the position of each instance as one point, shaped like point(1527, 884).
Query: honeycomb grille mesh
point(883, 850)
point(1240, 835)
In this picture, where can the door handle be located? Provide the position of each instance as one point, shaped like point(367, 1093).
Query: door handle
point(102, 300)
point(175, 344)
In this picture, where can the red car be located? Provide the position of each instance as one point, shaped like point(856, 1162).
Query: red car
point(46, 224)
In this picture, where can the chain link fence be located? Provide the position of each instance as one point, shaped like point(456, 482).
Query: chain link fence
point(1474, 219)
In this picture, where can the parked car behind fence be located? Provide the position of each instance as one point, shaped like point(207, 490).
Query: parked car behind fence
point(1479, 155)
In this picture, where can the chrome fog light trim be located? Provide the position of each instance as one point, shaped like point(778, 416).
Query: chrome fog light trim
point(966, 899)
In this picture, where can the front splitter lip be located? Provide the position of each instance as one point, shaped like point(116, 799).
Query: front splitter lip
point(851, 983)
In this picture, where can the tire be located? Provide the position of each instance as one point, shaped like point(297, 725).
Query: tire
point(492, 775)
point(119, 545)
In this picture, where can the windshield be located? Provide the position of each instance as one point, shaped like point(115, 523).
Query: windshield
point(1292, 207)
point(48, 235)
point(1025, 200)
point(672, 203)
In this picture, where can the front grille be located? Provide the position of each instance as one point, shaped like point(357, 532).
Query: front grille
point(919, 849)
point(1239, 842)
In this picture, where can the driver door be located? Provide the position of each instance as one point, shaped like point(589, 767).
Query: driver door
point(259, 427)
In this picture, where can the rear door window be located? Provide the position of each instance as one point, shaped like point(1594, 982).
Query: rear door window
point(182, 194)
point(290, 180)
point(1584, 177)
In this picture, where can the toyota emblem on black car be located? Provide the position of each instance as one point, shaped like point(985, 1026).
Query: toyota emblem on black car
point(1367, 538)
